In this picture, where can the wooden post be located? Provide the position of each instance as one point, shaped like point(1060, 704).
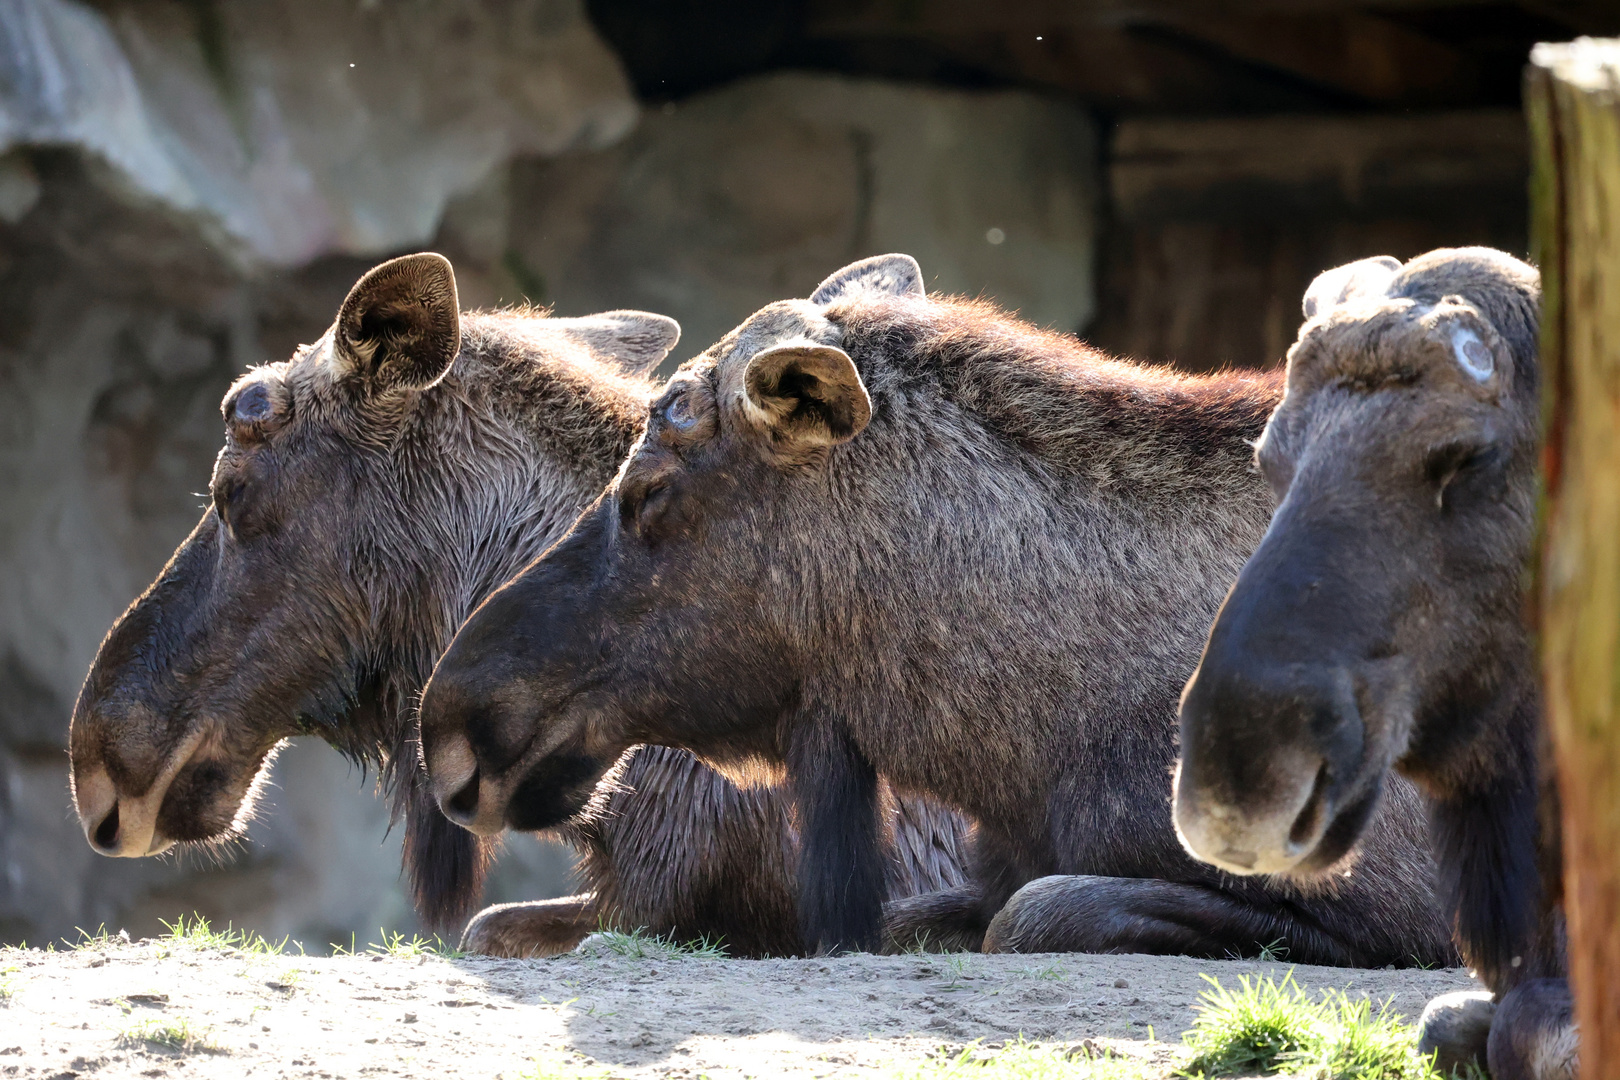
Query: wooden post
point(1573, 100)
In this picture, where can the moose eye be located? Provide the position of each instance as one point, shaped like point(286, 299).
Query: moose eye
point(252, 405)
point(679, 413)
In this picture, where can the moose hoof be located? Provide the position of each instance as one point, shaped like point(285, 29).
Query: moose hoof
point(1455, 1028)
point(537, 928)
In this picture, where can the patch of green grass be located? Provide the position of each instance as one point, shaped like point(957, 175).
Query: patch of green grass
point(1022, 1060)
point(286, 982)
point(1252, 1028)
point(1050, 973)
point(394, 943)
point(1266, 1027)
point(564, 1065)
point(197, 933)
point(638, 944)
point(8, 982)
point(956, 970)
point(170, 1033)
point(921, 944)
point(1273, 951)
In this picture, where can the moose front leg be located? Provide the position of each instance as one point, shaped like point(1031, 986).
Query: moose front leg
point(535, 928)
point(1083, 913)
point(840, 860)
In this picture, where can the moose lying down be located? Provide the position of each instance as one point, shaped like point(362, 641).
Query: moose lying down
point(1379, 627)
point(371, 491)
point(880, 533)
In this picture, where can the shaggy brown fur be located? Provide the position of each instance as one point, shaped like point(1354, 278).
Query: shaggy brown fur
point(371, 491)
point(1380, 623)
point(875, 532)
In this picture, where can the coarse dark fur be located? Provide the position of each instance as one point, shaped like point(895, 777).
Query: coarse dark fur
point(371, 491)
point(1379, 625)
point(880, 533)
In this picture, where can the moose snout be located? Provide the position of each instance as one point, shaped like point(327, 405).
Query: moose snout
point(1265, 755)
point(122, 826)
point(467, 793)
point(460, 787)
point(111, 829)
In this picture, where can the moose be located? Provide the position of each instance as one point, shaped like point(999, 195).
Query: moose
point(1377, 632)
point(371, 490)
point(877, 533)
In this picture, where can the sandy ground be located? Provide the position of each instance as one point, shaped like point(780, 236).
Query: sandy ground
point(83, 1013)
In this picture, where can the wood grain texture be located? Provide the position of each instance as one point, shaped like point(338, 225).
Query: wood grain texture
point(1573, 98)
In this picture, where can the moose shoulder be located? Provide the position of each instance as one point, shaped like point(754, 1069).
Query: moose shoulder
point(1378, 630)
point(371, 491)
point(874, 532)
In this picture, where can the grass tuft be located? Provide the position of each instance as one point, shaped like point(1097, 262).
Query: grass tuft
point(1266, 1027)
point(170, 1033)
point(1252, 1028)
point(8, 982)
point(639, 944)
point(197, 933)
point(394, 944)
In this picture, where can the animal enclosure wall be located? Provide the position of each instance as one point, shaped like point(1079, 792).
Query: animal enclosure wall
point(1574, 106)
point(189, 189)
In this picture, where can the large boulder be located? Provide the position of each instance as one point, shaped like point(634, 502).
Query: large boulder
point(291, 129)
point(733, 198)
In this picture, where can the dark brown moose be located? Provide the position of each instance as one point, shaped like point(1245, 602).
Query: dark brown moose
point(371, 491)
point(872, 533)
point(1379, 626)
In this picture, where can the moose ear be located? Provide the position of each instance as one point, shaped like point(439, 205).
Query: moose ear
point(881, 275)
point(1365, 277)
point(806, 395)
point(637, 340)
point(400, 326)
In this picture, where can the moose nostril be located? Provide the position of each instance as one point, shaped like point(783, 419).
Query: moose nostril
point(464, 803)
point(106, 835)
point(1310, 822)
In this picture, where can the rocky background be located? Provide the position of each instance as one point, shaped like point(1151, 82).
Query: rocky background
point(188, 187)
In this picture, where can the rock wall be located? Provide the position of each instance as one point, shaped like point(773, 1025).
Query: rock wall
point(755, 191)
point(184, 194)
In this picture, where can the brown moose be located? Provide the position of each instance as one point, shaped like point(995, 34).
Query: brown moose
point(371, 491)
point(1378, 632)
point(874, 532)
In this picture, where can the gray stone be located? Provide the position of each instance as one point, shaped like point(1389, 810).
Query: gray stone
point(295, 128)
point(755, 192)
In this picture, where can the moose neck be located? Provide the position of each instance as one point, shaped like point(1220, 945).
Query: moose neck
point(1043, 491)
point(497, 461)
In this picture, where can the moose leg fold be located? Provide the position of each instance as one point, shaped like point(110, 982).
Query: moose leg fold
point(949, 920)
point(1083, 913)
point(534, 928)
point(1533, 1035)
point(841, 867)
